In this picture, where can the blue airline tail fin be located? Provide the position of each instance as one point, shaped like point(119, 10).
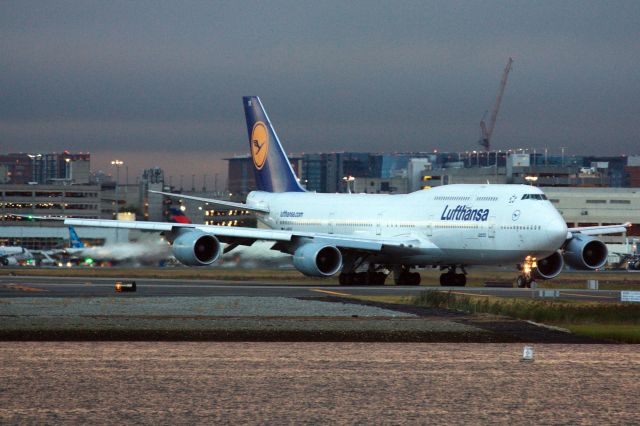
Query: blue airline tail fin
point(270, 163)
point(74, 240)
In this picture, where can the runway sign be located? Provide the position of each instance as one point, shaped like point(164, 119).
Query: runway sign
point(630, 296)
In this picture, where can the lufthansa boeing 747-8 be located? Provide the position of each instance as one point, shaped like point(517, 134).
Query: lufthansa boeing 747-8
point(366, 237)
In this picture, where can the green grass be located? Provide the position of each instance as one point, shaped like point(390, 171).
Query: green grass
point(615, 321)
point(626, 333)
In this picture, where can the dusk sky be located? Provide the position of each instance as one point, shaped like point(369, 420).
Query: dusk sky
point(160, 83)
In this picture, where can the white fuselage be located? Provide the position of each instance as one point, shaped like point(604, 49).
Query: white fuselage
point(453, 224)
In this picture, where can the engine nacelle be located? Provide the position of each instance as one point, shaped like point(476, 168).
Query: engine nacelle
point(585, 252)
point(317, 260)
point(195, 248)
point(549, 267)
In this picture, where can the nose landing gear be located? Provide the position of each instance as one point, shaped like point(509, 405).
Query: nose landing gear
point(525, 278)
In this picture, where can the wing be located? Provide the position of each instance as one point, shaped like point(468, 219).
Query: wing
point(241, 206)
point(599, 230)
point(288, 239)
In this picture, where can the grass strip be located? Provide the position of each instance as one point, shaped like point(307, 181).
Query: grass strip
point(615, 321)
point(626, 333)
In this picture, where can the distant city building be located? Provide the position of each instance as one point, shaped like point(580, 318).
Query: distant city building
point(394, 185)
point(597, 206)
point(241, 177)
point(82, 201)
point(153, 206)
point(327, 172)
point(65, 167)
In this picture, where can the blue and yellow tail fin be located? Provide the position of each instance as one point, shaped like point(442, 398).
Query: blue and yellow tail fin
point(270, 163)
point(74, 240)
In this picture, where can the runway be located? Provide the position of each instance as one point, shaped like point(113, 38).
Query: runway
point(81, 309)
point(104, 287)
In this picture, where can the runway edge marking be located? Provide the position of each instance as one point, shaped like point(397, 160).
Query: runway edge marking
point(334, 293)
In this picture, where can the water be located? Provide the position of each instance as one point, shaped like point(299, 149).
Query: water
point(275, 383)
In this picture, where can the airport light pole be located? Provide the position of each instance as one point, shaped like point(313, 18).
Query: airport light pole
point(348, 180)
point(67, 169)
point(117, 163)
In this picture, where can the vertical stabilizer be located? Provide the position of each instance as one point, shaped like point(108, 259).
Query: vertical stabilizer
point(74, 240)
point(270, 163)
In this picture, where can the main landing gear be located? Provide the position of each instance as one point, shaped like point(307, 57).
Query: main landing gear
point(377, 274)
point(362, 278)
point(525, 278)
point(450, 278)
point(403, 276)
point(372, 275)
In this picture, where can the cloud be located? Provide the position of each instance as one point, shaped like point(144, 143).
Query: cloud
point(413, 75)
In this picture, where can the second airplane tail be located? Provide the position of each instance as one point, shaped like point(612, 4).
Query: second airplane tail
point(74, 240)
point(271, 166)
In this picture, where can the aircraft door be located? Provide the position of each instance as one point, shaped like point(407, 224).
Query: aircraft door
point(332, 222)
point(491, 231)
point(379, 224)
point(430, 227)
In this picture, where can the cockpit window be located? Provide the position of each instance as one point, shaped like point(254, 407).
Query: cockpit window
point(534, 197)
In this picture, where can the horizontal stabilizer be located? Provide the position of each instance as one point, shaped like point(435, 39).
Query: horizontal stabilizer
point(241, 206)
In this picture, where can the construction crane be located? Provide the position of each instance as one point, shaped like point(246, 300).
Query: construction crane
point(486, 132)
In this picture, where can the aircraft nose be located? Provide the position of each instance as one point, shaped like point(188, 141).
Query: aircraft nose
point(557, 230)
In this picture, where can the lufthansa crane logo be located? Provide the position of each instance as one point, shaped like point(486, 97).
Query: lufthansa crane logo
point(259, 144)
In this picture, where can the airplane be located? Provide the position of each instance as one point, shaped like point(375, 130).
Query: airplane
point(366, 237)
point(13, 255)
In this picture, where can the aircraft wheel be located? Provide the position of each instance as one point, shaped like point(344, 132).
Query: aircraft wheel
point(408, 278)
point(460, 280)
point(449, 279)
point(443, 280)
point(521, 282)
point(414, 278)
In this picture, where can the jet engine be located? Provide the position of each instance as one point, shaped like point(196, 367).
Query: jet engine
point(585, 252)
point(549, 267)
point(195, 248)
point(317, 260)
